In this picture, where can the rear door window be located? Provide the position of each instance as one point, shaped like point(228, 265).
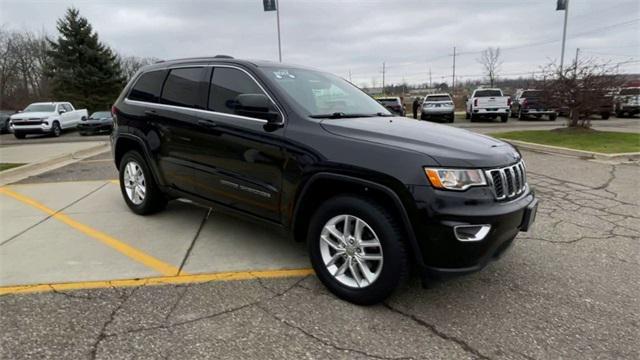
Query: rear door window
point(226, 85)
point(182, 88)
point(148, 86)
point(438, 98)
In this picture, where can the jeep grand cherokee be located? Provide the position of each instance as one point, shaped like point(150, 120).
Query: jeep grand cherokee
point(373, 195)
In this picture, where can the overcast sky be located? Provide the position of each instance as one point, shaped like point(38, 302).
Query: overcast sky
point(357, 36)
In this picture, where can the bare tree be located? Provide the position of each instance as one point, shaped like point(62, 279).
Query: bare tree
point(581, 89)
point(22, 59)
point(490, 60)
point(131, 64)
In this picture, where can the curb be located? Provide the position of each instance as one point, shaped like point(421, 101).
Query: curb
point(36, 168)
point(573, 152)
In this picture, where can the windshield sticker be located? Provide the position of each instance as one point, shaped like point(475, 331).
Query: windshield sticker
point(281, 74)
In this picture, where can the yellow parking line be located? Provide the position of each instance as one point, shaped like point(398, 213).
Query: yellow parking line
point(125, 249)
point(153, 281)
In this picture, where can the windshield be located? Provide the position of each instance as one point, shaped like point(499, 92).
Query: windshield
point(40, 108)
point(322, 94)
point(438, 98)
point(488, 93)
point(100, 114)
point(634, 91)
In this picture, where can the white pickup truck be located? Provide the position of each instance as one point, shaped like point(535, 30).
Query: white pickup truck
point(488, 103)
point(46, 118)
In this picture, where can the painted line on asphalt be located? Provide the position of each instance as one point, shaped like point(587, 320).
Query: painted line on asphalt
point(125, 249)
point(154, 281)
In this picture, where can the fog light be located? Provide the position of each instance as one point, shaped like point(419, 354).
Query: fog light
point(471, 232)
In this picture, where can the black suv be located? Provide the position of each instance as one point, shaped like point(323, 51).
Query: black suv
point(372, 194)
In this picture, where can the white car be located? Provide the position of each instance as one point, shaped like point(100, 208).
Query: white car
point(46, 118)
point(488, 103)
point(437, 106)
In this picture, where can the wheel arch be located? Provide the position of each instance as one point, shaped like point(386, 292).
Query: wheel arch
point(127, 142)
point(323, 185)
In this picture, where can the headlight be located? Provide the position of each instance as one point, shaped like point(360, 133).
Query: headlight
point(455, 179)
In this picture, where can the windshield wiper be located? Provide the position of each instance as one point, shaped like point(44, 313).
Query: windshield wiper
point(339, 115)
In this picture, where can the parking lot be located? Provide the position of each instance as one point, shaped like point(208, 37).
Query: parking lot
point(83, 277)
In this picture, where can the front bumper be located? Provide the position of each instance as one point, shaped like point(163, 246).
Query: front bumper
point(31, 129)
point(91, 126)
point(438, 212)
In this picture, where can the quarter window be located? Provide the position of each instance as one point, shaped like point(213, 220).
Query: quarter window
point(148, 86)
point(226, 85)
point(182, 88)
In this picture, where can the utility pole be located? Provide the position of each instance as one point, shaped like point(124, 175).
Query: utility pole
point(430, 85)
point(278, 20)
point(383, 73)
point(575, 62)
point(564, 33)
point(453, 77)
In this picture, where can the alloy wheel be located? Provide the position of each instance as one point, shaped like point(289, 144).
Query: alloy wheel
point(134, 182)
point(351, 251)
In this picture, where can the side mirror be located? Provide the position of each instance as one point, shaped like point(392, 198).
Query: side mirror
point(61, 112)
point(257, 106)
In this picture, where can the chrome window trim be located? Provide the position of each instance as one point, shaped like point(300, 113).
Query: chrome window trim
point(146, 103)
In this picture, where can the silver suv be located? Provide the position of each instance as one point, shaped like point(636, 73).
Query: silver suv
point(438, 106)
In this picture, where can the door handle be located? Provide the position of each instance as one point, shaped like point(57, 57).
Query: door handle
point(207, 123)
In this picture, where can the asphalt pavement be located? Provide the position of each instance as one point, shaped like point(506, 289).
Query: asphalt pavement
point(570, 288)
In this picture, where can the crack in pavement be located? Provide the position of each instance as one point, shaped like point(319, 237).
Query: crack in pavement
point(327, 342)
point(102, 334)
point(193, 242)
point(463, 344)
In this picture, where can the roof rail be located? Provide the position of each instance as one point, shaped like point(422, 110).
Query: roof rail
point(223, 57)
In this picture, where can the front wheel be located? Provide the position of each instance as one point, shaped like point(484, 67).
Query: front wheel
point(605, 115)
point(56, 130)
point(356, 249)
point(19, 135)
point(138, 187)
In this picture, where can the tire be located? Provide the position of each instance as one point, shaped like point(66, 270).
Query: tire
point(452, 118)
point(513, 114)
point(56, 130)
point(521, 115)
point(472, 118)
point(422, 117)
point(153, 200)
point(619, 114)
point(553, 117)
point(467, 116)
point(504, 118)
point(386, 274)
point(19, 135)
point(605, 115)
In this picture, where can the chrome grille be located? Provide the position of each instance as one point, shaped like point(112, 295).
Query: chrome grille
point(508, 182)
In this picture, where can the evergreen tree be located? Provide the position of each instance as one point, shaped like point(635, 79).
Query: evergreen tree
point(81, 69)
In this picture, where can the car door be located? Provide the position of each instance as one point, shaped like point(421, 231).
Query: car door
point(240, 159)
point(69, 119)
point(183, 93)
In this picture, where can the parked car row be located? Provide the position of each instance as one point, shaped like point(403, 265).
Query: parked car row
point(54, 117)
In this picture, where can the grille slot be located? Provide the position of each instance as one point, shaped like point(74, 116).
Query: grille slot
point(508, 182)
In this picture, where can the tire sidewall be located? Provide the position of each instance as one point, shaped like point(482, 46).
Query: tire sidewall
point(56, 130)
point(142, 208)
point(394, 259)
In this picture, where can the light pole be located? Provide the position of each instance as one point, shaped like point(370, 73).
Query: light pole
point(565, 7)
point(278, 21)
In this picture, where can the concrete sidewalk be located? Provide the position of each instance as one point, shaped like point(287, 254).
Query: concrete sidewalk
point(83, 231)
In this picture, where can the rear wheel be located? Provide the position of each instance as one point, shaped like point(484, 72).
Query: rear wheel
point(467, 116)
point(521, 115)
point(504, 118)
point(139, 189)
point(553, 117)
point(605, 115)
point(356, 249)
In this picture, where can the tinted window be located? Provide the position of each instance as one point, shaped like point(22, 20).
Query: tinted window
point(631, 91)
point(66, 107)
point(438, 98)
point(530, 94)
point(182, 87)
point(148, 86)
point(226, 85)
point(488, 93)
point(389, 101)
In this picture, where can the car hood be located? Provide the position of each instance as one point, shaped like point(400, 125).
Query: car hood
point(31, 115)
point(448, 146)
